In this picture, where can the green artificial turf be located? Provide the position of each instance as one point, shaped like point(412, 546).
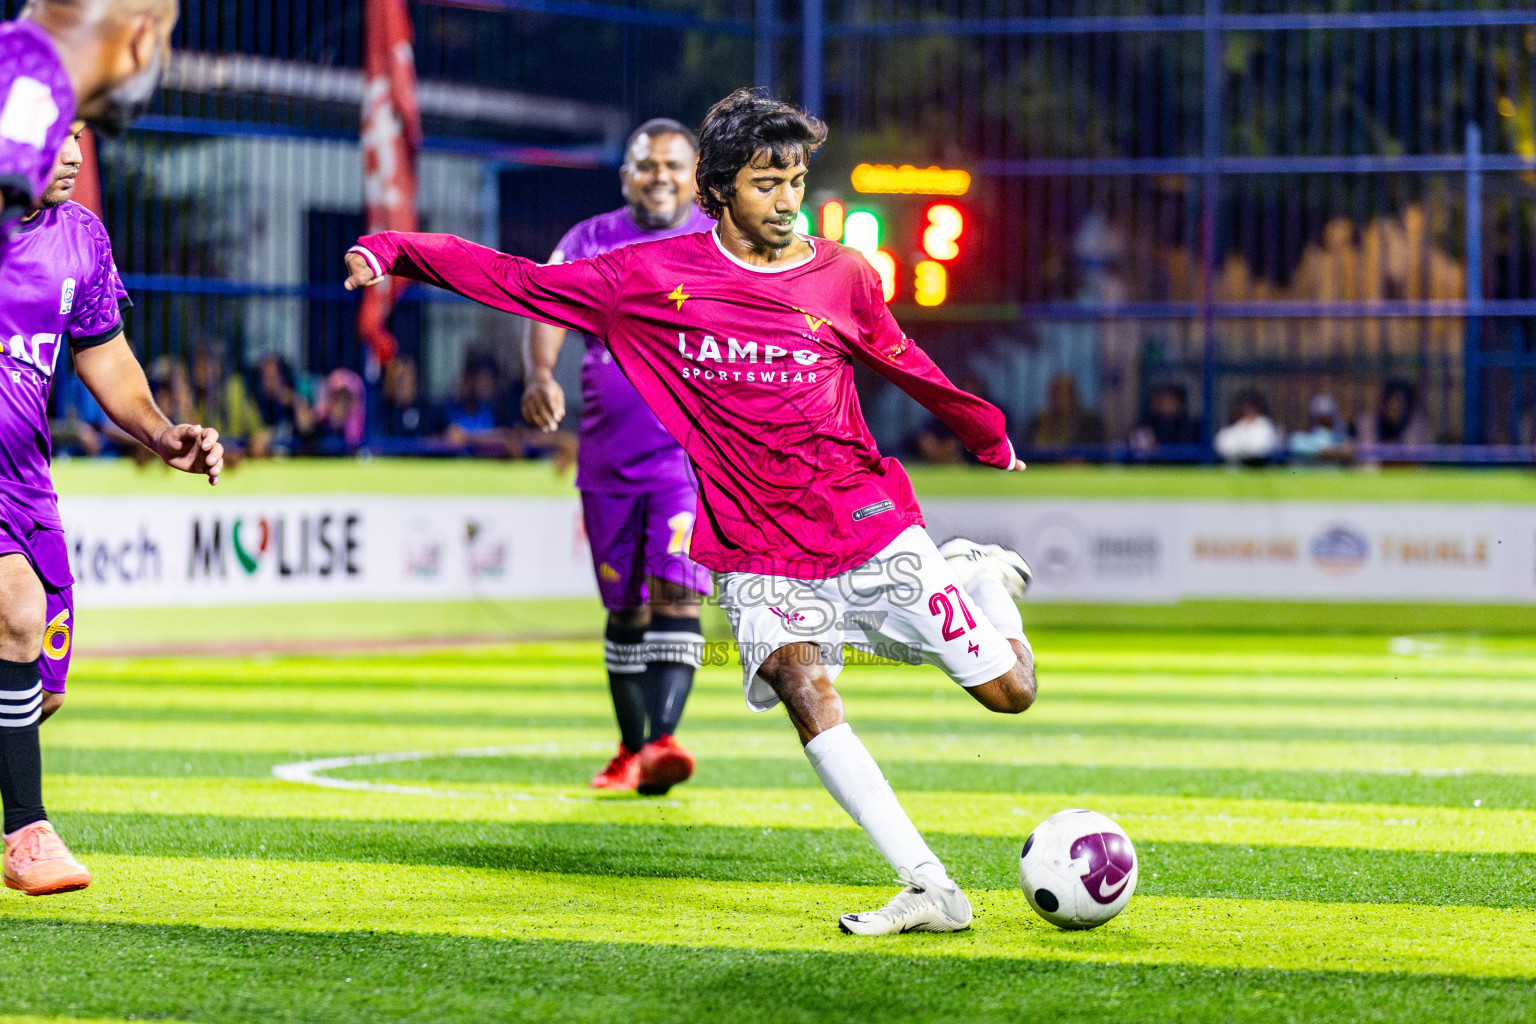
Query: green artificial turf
point(318, 476)
point(485, 477)
point(351, 625)
point(335, 623)
point(817, 856)
point(192, 973)
point(1331, 826)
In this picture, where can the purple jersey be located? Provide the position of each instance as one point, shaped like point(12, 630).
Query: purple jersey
point(37, 105)
point(624, 447)
point(59, 285)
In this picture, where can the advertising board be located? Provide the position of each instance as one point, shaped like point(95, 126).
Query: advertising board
point(230, 551)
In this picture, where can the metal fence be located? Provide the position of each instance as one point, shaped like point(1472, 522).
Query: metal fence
point(1303, 196)
point(1300, 197)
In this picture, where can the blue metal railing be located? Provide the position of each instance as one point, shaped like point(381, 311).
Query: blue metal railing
point(487, 149)
point(609, 13)
point(1237, 165)
point(1063, 25)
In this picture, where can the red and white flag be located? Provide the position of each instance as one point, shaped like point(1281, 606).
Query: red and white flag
point(391, 136)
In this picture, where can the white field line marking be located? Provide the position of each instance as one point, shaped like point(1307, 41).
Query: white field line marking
point(1435, 647)
point(1450, 645)
point(308, 773)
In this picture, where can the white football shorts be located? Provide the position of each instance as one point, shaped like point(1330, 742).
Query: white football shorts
point(904, 604)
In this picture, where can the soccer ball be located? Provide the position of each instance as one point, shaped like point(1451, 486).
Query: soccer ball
point(1078, 869)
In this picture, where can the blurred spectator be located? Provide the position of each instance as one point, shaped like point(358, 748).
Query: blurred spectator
point(339, 415)
point(403, 413)
point(172, 389)
point(934, 442)
point(1326, 437)
point(286, 413)
point(1251, 438)
point(224, 403)
point(1397, 420)
point(1166, 421)
point(482, 418)
point(1064, 422)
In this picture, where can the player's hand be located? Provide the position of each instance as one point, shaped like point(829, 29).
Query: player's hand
point(544, 402)
point(192, 449)
point(1017, 467)
point(359, 273)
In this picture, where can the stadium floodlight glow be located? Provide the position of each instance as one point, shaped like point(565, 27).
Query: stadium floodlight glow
point(941, 238)
point(885, 265)
point(861, 231)
point(930, 283)
point(907, 180)
point(802, 223)
point(833, 215)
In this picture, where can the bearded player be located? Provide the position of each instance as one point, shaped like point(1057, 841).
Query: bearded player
point(743, 342)
point(96, 60)
point(637, 493)
point(61, 289)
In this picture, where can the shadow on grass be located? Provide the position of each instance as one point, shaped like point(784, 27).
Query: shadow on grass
point(191, 973)
point(1494, 791)
point(969, 722)
point(820, 856)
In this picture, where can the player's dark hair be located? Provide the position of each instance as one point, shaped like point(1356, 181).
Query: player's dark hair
point(661, 126)
point(741, 129)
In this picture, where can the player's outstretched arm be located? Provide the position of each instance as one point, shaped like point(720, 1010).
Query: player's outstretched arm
point(981, 426)
point(116, 380)
point(580, 295)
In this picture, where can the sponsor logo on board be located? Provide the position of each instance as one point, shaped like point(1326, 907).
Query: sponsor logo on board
point(1340, 550)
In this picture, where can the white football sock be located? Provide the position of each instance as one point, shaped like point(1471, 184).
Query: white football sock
point(856, 783)
point(989, 594)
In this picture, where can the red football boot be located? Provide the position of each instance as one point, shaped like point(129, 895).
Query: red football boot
point(663, 764)
point(39, 864)
point(622, 773)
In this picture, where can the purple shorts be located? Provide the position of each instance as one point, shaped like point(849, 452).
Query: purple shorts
point(638, 535)
point(49, 556)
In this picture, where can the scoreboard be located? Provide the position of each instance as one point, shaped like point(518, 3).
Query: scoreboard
point(911, 223)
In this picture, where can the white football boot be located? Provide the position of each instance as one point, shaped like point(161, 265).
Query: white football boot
point(969, 559)
point(927, 904)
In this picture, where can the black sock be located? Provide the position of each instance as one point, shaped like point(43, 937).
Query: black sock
point(21, 759)
point(674, 647)
point(624, 654)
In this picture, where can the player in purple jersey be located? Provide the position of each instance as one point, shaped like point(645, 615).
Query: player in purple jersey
point(61, 290)
point(638, 494)
point(98, 60)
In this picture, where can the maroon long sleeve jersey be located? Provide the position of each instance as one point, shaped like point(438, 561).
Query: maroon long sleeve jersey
point(751, 369)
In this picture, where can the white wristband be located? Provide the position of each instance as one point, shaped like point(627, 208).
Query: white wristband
point(373, 261)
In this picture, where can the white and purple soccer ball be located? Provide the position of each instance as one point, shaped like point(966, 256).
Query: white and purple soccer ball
point(1078, 869)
